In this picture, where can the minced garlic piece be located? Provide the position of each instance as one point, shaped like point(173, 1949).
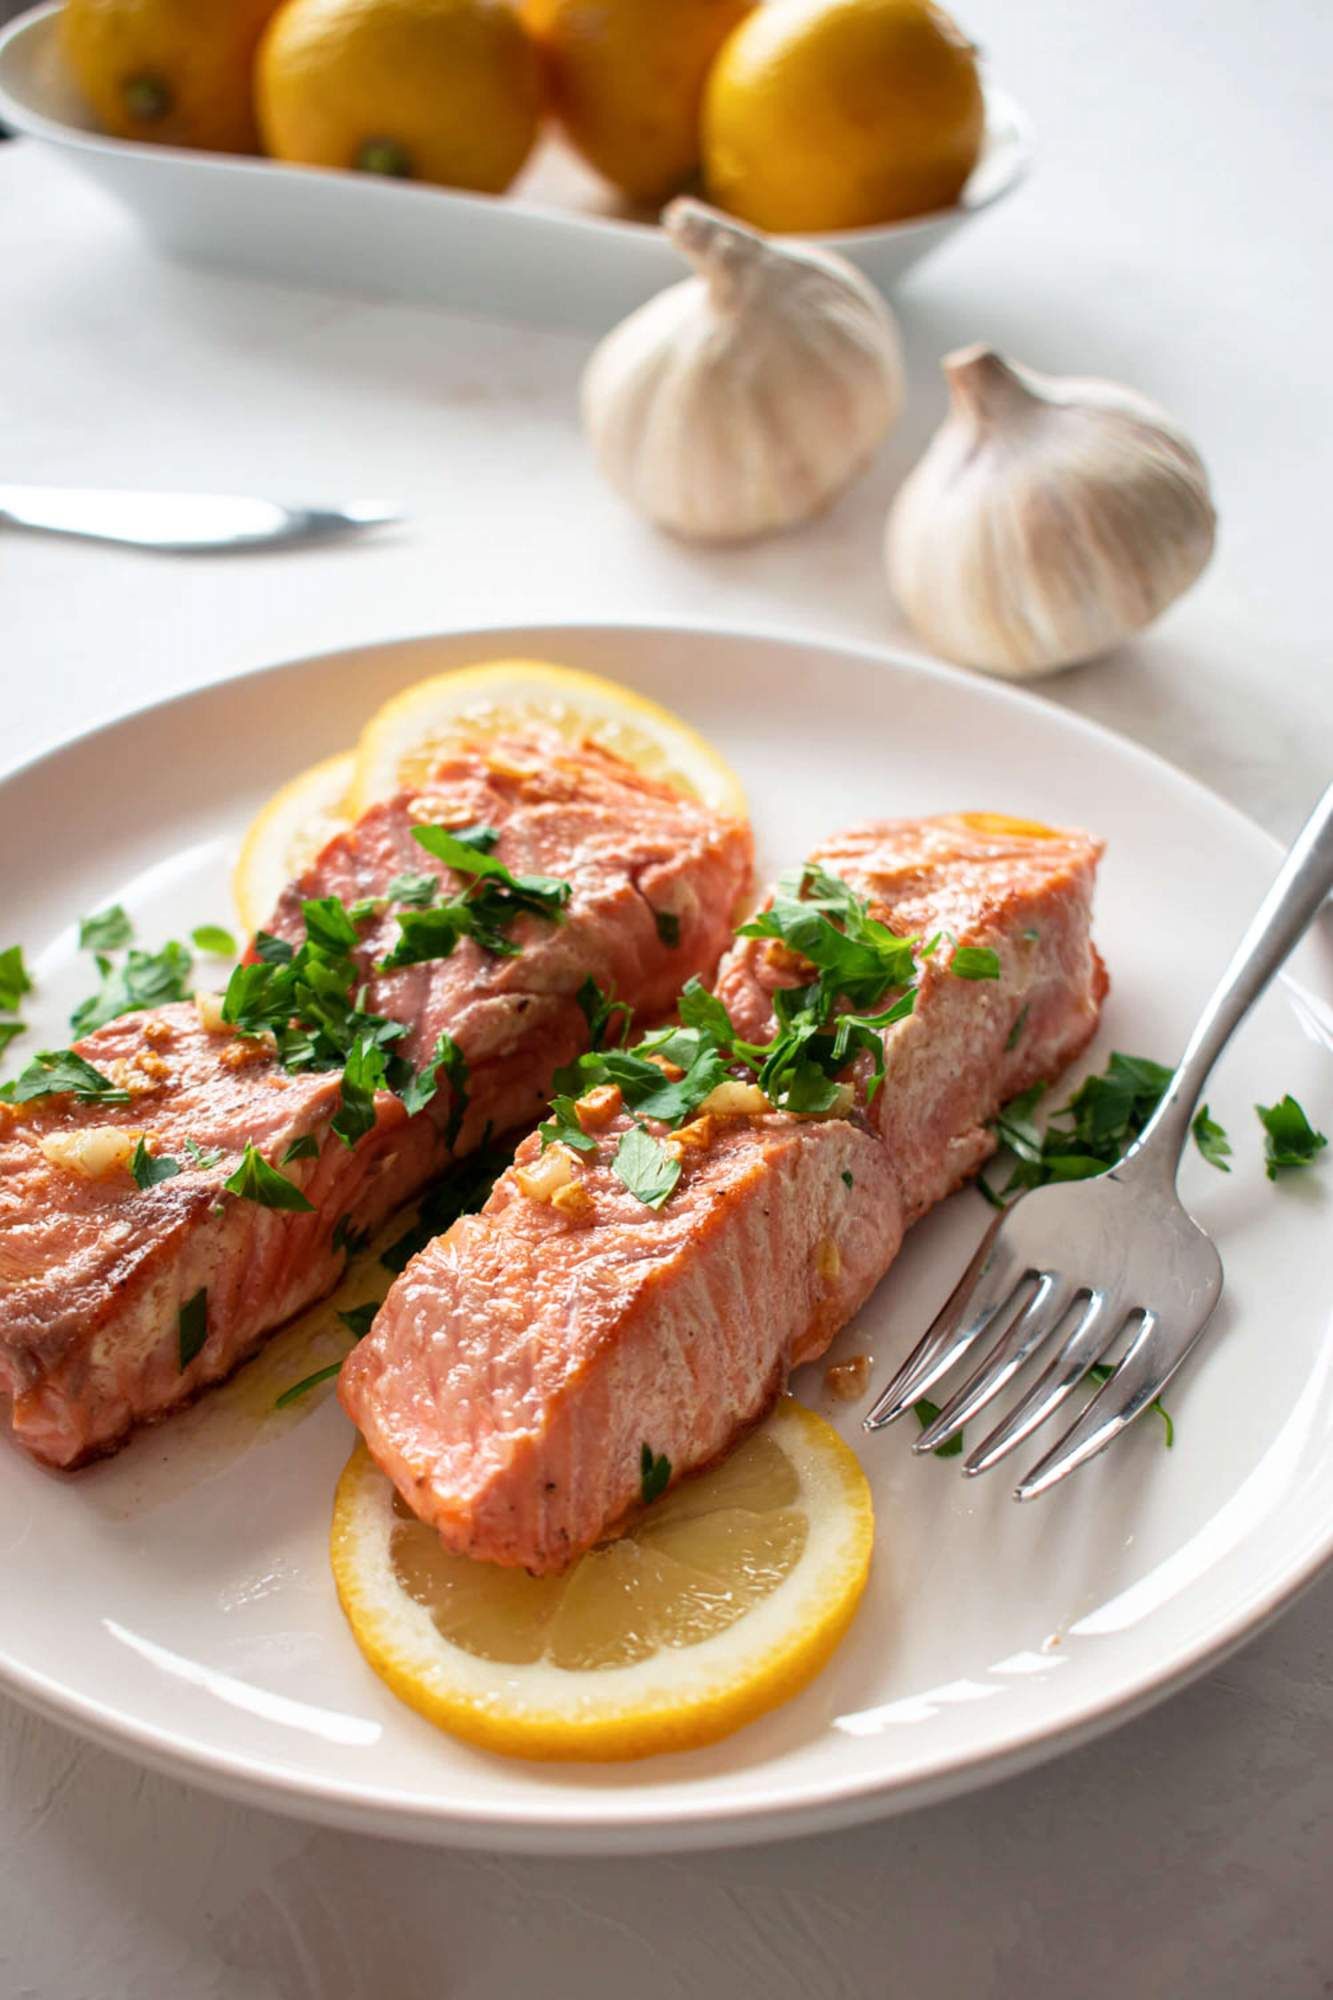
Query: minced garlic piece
point(208, 1006)
point(671, 1071)
point(848, 1380)
point(554, 1169)
point(735, 1100)
point(597, 1107)
point(158, 1032)
point(828, 1259)
point(696, 1137)
point(574, 1202)
point(95, 1152)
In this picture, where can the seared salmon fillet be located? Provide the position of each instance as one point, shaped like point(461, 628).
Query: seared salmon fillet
point(522, 1361)
point(102, 1325)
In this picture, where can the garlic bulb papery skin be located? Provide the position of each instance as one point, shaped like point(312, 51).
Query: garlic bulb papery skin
point(745, 398)
point(1048, 519)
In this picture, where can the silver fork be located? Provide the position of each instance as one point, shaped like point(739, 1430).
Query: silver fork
point(1074, 1266)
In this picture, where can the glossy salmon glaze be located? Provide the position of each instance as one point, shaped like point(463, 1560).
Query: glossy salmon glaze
point(522, 1361)
point(94, 1271)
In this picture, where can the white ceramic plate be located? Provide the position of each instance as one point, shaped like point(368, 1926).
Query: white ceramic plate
point(176, 1601)
point(553, 250)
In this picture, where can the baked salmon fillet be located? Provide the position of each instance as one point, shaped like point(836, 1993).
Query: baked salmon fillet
point(120, 1301)
point(524, 1361)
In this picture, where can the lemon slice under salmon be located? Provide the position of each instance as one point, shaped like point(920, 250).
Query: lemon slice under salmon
point(287, 834)
point(724, 1598)
point(401, 743)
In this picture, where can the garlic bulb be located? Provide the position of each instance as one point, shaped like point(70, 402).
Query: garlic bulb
point(1048, 519)
point(745, 398)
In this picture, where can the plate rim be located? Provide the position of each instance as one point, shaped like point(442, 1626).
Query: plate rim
point(588, 1825)
point(1012, 122)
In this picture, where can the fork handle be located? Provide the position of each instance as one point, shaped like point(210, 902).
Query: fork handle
point(1287, 911)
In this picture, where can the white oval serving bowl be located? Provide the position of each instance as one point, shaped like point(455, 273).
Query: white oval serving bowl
point(553, 251)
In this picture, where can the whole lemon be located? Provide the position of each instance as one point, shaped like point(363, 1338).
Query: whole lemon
point(838, 114)
point(168, 70)
point(627, 78)
point(431, 90)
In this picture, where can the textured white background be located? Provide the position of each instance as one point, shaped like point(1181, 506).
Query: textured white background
point(1175, 236)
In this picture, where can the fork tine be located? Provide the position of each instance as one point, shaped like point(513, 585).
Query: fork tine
point(1095, 1329)
point(984, 1288)
point(1147, 1367)
point(1022, 1337)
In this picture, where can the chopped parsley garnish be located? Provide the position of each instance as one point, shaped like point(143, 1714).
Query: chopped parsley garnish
point(926, 1412)
point(599, 1011)
point(255, 1180)
point(304, 1148)
point(14, 980)
point(55, 1072)
point(192, 1327)
point(654, 1474)
point(1015, 1035)
point(1290, 1140)
point(420, 1089)
point(1101, 1371)
point(417, 890)
point(974, 961)
point(563, 1126)
point(353, 1241)
point(1211, 1140)
point(491, 901)
point(847, 1180)
point(358, 1321)
point(146, 979)
point(150, 1169)
point(461, 1192)
point(668, 928)
point(8, 1030)
point(107, 931)
point(1029, 936)
point(308, 1382)
point(645, 1166)
point(202, 1156)
point(214, 939)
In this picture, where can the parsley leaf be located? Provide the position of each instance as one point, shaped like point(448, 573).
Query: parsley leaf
point(490, 902)
point(8, 1030)
point(203, 1156)
point(212, 938)
point(926, 1412)
point(1290, 1139)
point(563, 1126)
point(273, 950)
point(146, 979)
point(974, 961)
point(304, 1148)
point(150, 1169)
point(192, 1327)
point(359, 1319)
point(668, 928)
point(1015, 1034)
point(363, 1075)
point(14, 980)
point(255, 1180)
point(107, 931)
point(1101, 1371)
point(645, 1166)
point(847, 1179)
point(55, 1071)
point(417, 889)
point(418, 1093)
point(308, 1382)
point(344, 1237)
point(599, 1010)
point(1211, 1140)
point(654, 1474)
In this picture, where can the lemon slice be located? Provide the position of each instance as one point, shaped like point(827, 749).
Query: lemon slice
point(402, 742)
point(724, 1598)
point(288, 833)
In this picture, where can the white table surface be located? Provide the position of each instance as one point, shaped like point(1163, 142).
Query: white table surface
point(1174, 236)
